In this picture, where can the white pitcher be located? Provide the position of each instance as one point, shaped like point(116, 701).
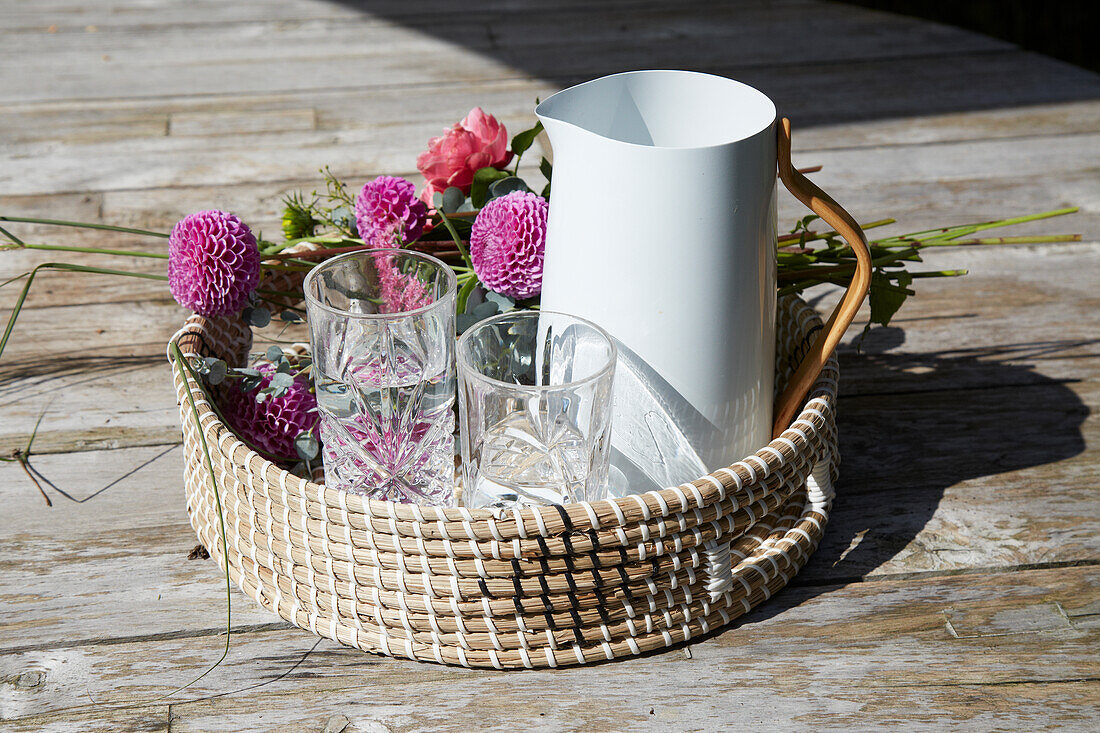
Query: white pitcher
point(662, 229)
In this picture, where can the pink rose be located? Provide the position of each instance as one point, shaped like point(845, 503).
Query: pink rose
point(452, 159)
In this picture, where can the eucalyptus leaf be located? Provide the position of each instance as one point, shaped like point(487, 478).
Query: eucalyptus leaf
point(307, 446)
point(504, 303)
point(218, 371)
point(273, 353)
point(343, 217)
point(282, 380)
point(452, 199)
point(437, 200)
point(258, 316)
point(290, 316)
point(463, 321)
point(486, 309)
point(479, 189)
point(505, 186)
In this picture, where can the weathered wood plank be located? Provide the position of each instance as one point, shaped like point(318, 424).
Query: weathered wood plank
point(511, 100)
point(144, 14)
point(114, 62)
point(952, 652)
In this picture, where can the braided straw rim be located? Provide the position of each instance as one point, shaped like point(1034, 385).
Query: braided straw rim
point(542, 586)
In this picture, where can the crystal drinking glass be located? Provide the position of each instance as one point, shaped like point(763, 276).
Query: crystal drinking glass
point(382, 330)
point(535, 406)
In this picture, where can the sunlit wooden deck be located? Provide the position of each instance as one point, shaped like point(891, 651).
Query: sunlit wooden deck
point(957, 586)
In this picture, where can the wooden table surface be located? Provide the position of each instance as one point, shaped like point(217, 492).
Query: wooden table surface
point(958, 584)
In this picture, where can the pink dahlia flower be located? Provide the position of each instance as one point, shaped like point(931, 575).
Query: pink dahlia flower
point(213, 263)
point(274, 423)
point(507, 244)
point(388, 214)
point(478, 141)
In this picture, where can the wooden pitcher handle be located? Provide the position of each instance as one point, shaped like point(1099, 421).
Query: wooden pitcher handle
point(790, 402)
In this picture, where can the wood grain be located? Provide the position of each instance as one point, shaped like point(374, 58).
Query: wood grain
point(957, 585)
point(949, 652)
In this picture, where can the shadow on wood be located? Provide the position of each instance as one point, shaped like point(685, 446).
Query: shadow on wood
point(946, 422)
point(861, 64)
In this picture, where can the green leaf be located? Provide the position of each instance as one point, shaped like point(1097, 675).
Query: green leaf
point(282, 380)
point(484, 310)
point(452, 199)
point(257, 316)
point(307, 446)
point(505, 186)
point(464, 296)
point(885, 297)
point(464, 321)
point(479, 189)
point(504, 303)
point(290, 316)
point(437, 200)
point(217, 370)
point(344, 218)
point(273, 353)
point(521, 141)
point(546, 168)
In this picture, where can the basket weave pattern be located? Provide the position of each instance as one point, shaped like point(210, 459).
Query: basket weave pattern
point(525, 588)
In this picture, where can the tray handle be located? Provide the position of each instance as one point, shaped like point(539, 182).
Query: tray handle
point(790, 401)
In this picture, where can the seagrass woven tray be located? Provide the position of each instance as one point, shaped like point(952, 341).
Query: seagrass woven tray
point(535, 587)
point(543, 586)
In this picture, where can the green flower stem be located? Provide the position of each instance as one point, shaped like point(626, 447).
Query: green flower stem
point(288, 266)
point(333, 239)
point(93, 250)
point(1003, 240)
point(279, 293)
point(184, 369)
point(11, 236)
point(843, 269)
point(786, 240)
point(65, 267)
point(942, 233)
point(457, 239)
point(939, 273)
point(83, 225)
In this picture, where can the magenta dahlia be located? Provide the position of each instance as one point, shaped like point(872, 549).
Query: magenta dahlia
point(274, 423)
point(507, 244)
point(213, 263)
point(388, 213)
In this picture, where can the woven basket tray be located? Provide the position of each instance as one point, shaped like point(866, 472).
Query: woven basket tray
point(544, 586)
point(538, 587)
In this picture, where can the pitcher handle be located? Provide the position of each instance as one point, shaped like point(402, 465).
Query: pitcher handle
point(790, 402)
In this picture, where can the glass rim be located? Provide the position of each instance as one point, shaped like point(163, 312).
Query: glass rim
point(464, 366)
point(449, 274)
